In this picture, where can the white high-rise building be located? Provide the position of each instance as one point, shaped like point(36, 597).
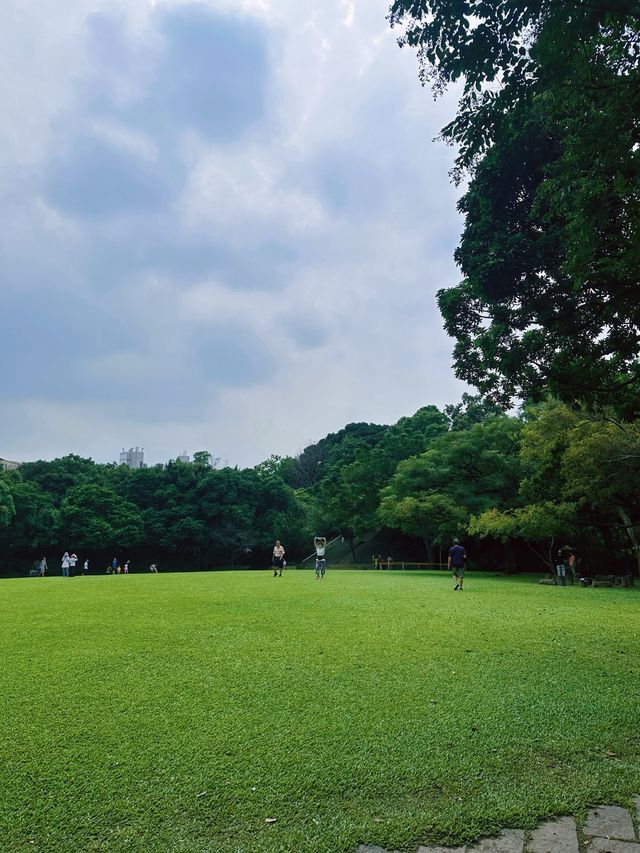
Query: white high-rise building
point(133, 457)
point(184, 457)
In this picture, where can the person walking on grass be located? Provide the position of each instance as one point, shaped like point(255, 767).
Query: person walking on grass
point(277, 559)
point(66, 561)
point(457, 563)
point(561, 568)
point(125, 569)
point(85, 568)
point(43, 567)
point(320, 544)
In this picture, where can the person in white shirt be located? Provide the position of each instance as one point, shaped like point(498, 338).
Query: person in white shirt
point(320, 543)
point(85, 568)
point(65, 564)
point(277, 559)
point(73, 559)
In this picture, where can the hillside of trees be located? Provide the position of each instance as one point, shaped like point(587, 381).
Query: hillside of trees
point(514, 487)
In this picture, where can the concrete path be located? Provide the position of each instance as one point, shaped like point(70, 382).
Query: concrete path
point(608, 829)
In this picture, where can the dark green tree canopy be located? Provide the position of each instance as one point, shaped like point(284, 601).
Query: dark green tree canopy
point(59, 475)
point(307, 468)
point(37, 521)
point(350, 487)
point(507, 51)
point(548, 127)
point(94, 516)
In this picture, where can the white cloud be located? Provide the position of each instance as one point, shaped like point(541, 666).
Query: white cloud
point(232, 187)
point(300, 253)
point(349, 7)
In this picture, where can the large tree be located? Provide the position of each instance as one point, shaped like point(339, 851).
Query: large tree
point(580, 476)
point(548, 127)
point(601, 471)
point(463, 472)
point(307, 468)
point(507, 52)
point(350, 489)
point(540, 526)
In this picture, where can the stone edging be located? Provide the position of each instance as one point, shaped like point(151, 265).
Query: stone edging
point(608, 829)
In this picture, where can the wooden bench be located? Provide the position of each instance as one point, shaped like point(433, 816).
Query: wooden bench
point(603, 580)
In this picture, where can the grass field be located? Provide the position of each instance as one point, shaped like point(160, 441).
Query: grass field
point(178, 712)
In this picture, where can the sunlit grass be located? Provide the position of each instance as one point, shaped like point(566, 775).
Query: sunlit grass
point(179, 712)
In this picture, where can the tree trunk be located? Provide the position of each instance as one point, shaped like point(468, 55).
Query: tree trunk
point(540, 554)
point(427, 545)
point(509, 564)
point(630, 528)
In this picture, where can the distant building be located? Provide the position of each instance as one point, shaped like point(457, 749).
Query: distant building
point(133, 457)
point(184, 457)
point(8, 464)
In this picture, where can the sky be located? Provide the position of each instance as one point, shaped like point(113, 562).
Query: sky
point(224, 225)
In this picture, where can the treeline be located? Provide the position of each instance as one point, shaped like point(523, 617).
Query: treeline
point(193, 515)
point(517, 488)
point(511, 486)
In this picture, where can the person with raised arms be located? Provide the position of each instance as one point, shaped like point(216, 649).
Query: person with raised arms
point(320, 543)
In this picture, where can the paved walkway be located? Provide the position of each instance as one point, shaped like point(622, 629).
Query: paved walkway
point(608, 829)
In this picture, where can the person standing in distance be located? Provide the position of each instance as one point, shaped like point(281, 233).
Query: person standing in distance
point(320, 543)
point(458, 563)
point(277, 558)
point(65, 564)
point(85, 568)
point(73, 559)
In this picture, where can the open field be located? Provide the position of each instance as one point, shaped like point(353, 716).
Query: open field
point(369, 707)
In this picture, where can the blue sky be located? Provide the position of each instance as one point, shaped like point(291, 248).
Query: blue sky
point(224, 227)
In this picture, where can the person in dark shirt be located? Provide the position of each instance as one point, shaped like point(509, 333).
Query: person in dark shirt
point(458, 563)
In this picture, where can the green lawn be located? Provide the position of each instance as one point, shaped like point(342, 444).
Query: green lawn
point(369, 707)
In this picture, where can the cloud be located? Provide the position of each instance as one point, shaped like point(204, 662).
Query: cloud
point(307, 331)
point(235, 357)
point(211, 206)
point(192, 68)
point(197, 70)
point(348, 181)
point(212, 75)
point(96, 178)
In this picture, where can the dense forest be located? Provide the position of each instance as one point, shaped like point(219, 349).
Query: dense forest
point(514, 487)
